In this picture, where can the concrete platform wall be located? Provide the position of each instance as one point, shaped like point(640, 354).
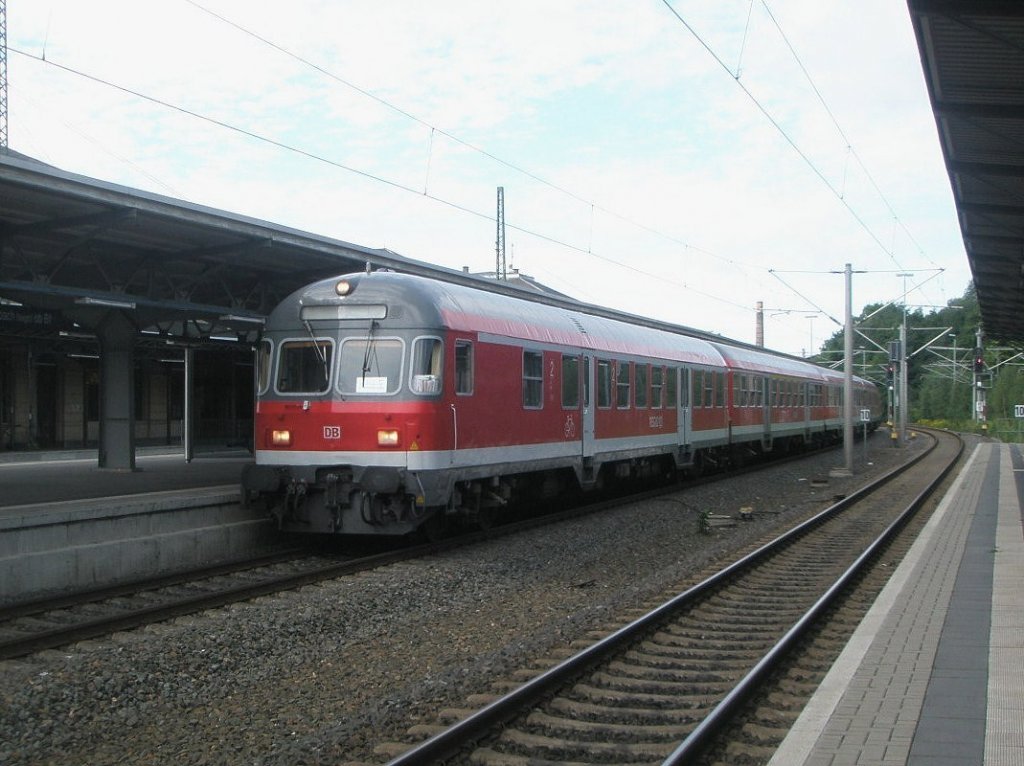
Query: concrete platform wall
point(52, 549)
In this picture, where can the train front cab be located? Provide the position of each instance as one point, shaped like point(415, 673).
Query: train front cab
point(338, 416)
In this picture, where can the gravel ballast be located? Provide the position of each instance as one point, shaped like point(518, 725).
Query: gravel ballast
point(323, 674)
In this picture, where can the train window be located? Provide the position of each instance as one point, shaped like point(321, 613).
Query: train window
point(304, 366)
point(370, 366)
point(533, 379)
point(719, 382)
point(263, 352)
point(427, 364)
point(570, 381)
point(622, 385)
point(641, 385)
point(604, 383)
point(740, 390)
point(698, 388)
point(672, 383)
point(463, 367)
point(657, 385)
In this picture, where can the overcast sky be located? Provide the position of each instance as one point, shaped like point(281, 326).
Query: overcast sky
point(640, 172)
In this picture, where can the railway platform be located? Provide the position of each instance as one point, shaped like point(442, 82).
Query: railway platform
point(66, 524)
point(934, 675)
point(43, 478)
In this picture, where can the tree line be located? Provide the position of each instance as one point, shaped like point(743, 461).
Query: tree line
point(940, 390)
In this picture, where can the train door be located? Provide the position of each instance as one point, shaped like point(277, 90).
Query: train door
point(683, 399)
point(588, 407)
point(766, 413)
point(805, 404)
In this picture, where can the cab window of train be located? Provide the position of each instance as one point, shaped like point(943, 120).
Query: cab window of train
point(570, 382)
point(533, 379)
point(604, 383)
point(622, 385)
point(263, 354)
point(657, 386)
point(427, 364)
point(641, 385)
point(463, 367)
point(370, 366)
point(305, 366)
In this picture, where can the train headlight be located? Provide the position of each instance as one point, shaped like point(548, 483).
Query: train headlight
point(387, 438)
point(343, 288)
point(281, 438)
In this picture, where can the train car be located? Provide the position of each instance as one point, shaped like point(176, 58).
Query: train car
point(387, 403)
point(779, 402)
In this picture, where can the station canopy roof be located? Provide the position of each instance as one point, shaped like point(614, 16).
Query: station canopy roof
point(972, 53)
point(72, 248)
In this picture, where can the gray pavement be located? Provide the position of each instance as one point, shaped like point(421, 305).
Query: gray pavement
point(935, 672)
point(54, 477)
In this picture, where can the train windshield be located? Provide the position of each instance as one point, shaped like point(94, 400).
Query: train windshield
point(370, 366)
point(304, 366)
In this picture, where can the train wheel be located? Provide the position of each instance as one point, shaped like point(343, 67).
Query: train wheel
point(696, 468)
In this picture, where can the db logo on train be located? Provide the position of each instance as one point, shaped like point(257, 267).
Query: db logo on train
point(332, 432)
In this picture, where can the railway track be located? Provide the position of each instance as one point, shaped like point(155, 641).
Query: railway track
point(664, 687)
point(51, 623)
point(54, 622)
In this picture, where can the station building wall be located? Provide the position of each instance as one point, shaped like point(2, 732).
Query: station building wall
point(50, 399)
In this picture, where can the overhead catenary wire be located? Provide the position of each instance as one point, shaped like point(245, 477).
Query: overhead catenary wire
point(460, 141)
point(849, 144)
point(586, 250)
point(781, 131)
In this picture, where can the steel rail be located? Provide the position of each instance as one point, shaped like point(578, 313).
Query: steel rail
point(60, 636)
point(718, 718)
point(449, 742)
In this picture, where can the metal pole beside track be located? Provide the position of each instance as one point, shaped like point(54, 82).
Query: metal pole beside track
point(848, 376)
point(847, 469)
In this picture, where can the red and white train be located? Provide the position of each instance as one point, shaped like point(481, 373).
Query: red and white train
point(387, 402)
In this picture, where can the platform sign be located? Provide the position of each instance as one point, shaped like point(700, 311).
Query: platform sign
point(865, 416)
point(1018, 410)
